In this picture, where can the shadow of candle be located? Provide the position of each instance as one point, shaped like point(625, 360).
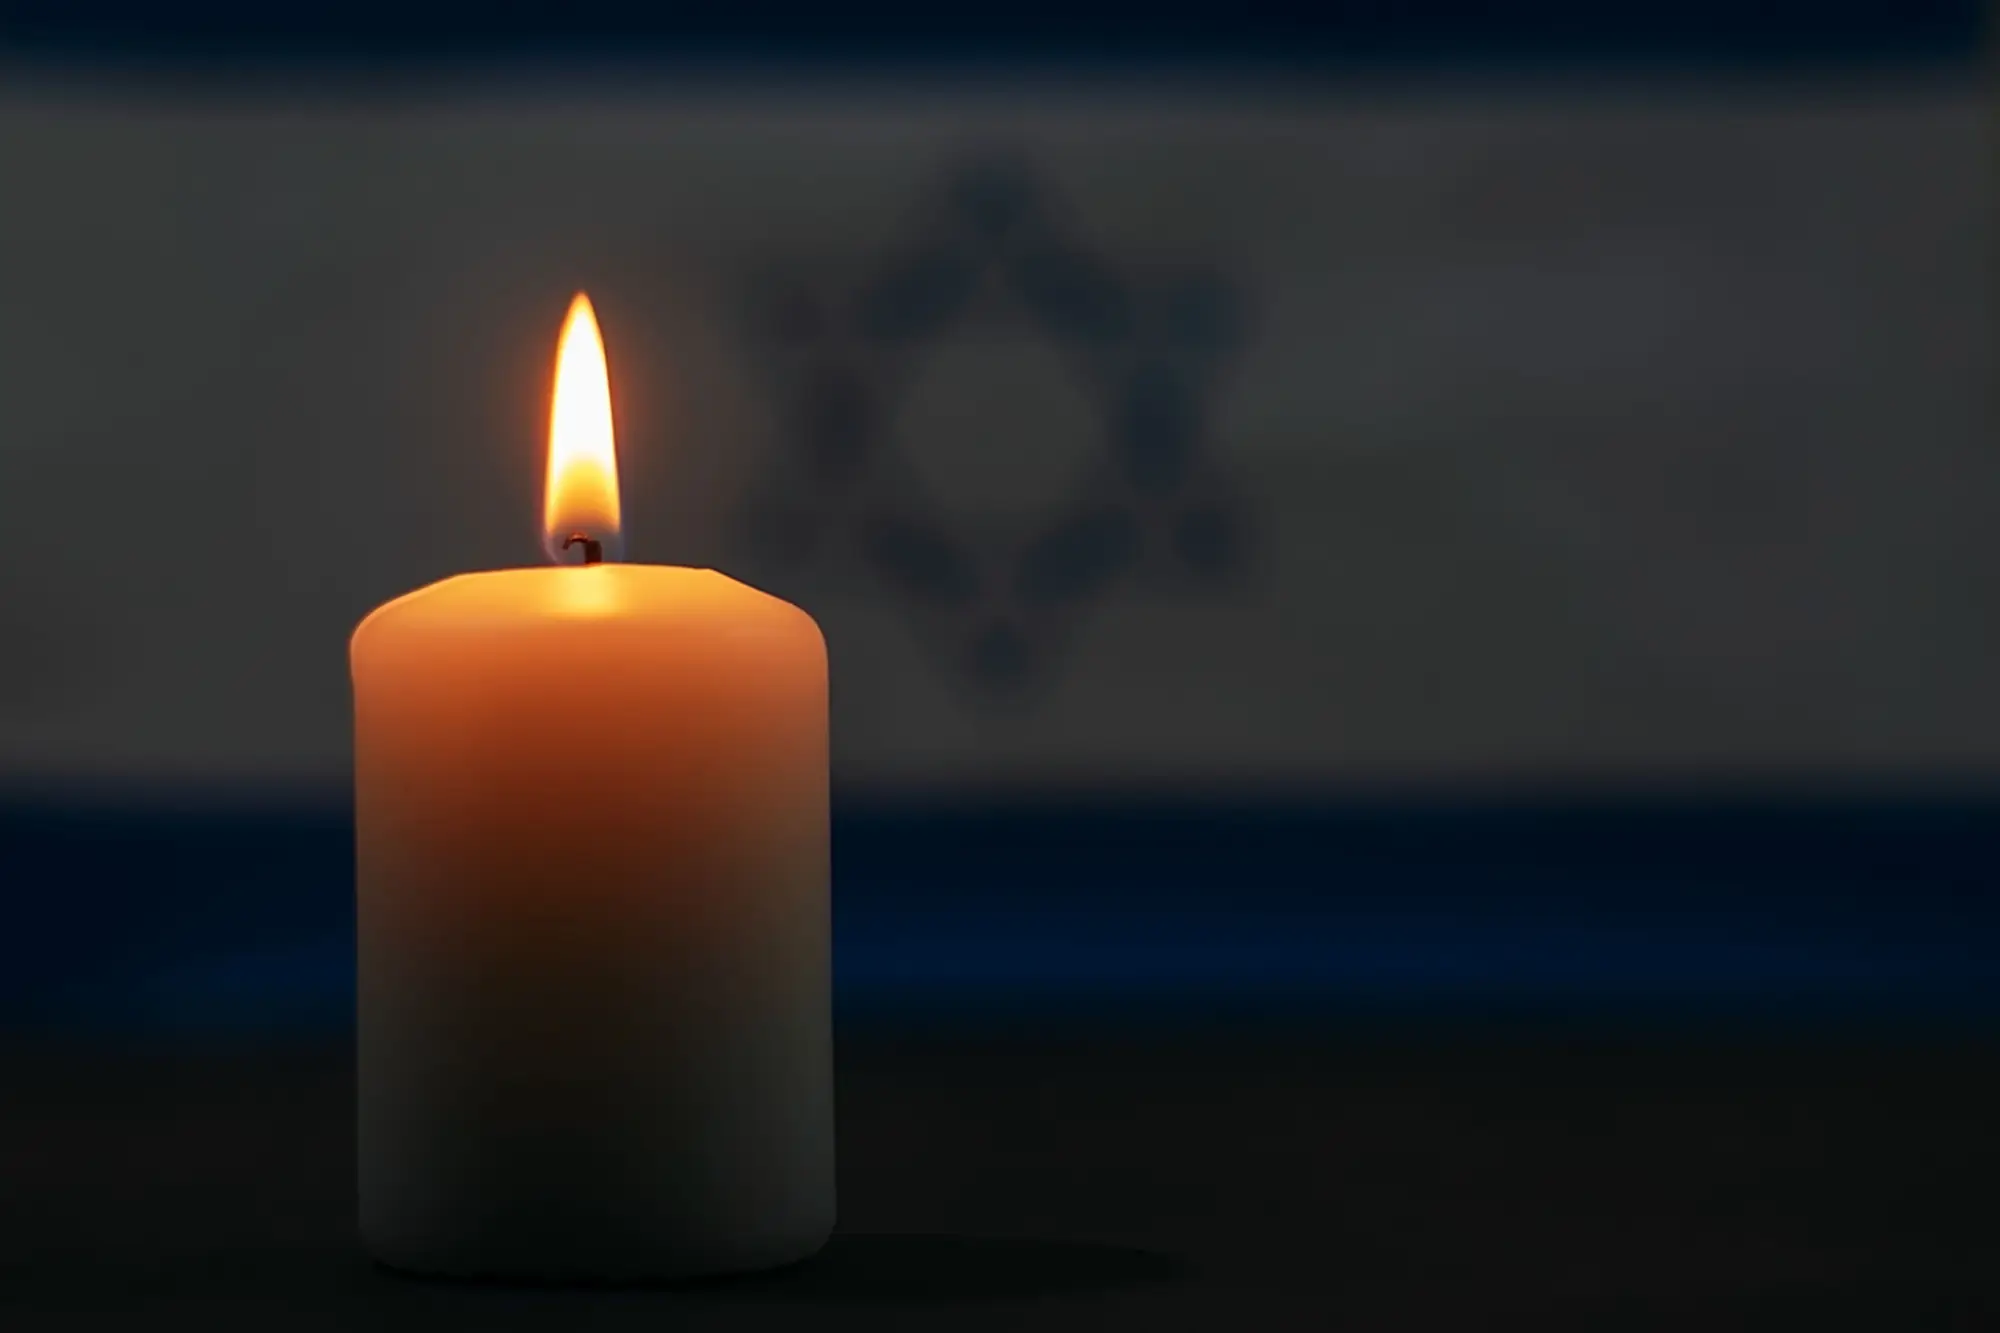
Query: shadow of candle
point(871, 1269)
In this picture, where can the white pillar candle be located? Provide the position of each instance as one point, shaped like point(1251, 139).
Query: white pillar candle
point(595, 1038)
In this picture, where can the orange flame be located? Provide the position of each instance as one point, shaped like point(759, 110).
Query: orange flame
point(580, 500)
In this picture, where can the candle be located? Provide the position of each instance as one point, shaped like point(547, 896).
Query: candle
point(594, 1031)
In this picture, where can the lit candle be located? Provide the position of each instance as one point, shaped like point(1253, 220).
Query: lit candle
point(594, 1038)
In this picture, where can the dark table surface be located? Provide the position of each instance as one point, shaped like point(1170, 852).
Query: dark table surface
point(1240, 1179)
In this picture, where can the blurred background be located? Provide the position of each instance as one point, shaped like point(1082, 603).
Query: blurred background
point(1439, 508)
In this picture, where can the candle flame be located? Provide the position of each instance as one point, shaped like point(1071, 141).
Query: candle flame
point(580, 502)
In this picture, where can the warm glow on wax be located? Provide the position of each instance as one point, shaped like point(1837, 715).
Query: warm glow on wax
point(580, 502)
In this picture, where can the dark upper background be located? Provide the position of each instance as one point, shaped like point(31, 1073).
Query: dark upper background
point(1423, 500)
point(1450, 34)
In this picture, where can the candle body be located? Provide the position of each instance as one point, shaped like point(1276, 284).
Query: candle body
point(594, 1009)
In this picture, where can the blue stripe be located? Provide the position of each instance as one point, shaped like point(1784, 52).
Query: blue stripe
point(231, 917)
point(1343, 32)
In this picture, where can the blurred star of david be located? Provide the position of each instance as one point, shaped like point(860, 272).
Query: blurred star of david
point(999, 426)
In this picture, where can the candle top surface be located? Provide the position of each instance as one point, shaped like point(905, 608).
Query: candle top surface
point(638, 596)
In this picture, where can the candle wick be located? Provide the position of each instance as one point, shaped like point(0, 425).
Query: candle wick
point(593, 550)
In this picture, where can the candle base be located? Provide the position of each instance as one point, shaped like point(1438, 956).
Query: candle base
point(558, 1189)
